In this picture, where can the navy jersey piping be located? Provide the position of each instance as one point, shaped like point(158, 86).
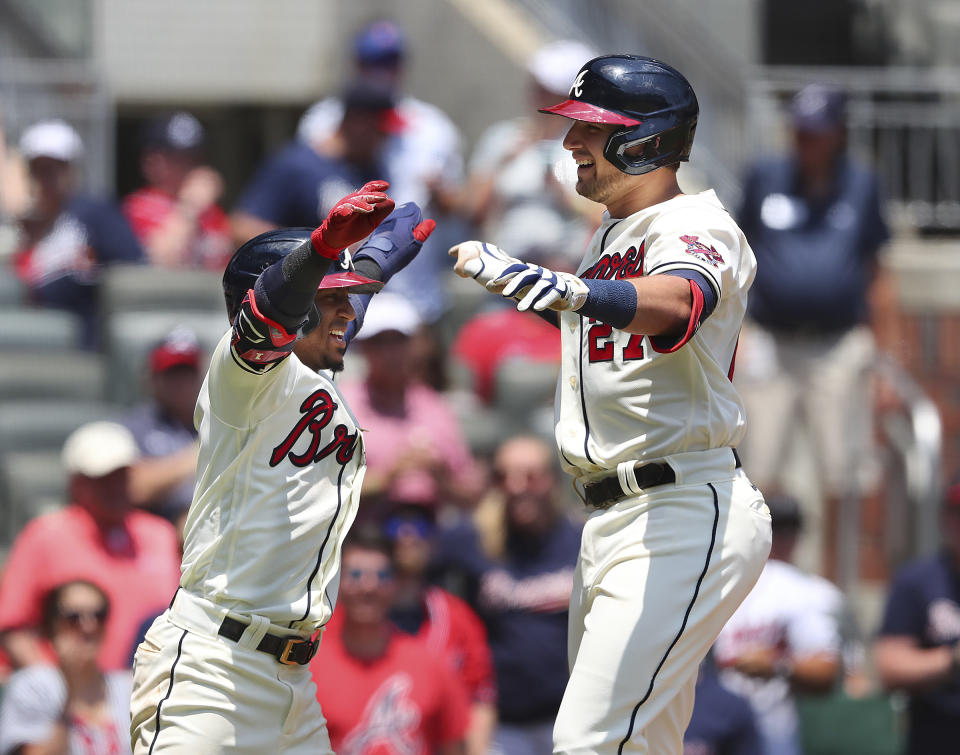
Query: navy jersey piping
point(173, 667)
point(323, 545)
point(683, 624)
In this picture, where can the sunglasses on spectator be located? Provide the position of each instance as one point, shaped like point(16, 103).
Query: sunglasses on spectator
point(76, 618)
point(381, 575)
point(420, 525)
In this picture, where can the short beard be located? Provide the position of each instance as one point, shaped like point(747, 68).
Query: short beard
point(600, 189)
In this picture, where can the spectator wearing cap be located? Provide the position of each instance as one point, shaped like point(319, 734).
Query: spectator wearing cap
point(162, 478)
point(175, 215)
point(300, 184)
point(66, 237)
point(521, 186)
point(784, 638)
point(99, 537)
point(416, 453)
point(423, 158)
point(444, 622)
point(917, 649)
point(819, 306)
point(73, 706)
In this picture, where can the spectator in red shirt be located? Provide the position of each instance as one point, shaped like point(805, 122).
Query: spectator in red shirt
point(382, 691)
point(447, 625)
point(100, 538)
point(175, 215)
point(416, 452)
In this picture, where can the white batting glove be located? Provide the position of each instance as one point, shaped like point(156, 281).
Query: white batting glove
point(483, 262)
point(542, 289)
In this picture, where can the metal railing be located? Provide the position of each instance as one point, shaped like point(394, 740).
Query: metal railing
point(904, 121)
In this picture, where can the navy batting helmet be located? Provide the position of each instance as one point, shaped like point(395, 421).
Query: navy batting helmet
point(652, 102)
point(257, 254)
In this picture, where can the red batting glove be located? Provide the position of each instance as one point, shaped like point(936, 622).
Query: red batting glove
point(352, 218)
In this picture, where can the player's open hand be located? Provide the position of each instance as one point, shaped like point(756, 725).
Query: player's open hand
point(541, 288)
point(397, 239)
point(483, 262)
point(352, 218)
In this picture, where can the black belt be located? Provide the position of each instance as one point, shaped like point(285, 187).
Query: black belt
point(607, 491)
point(291, 650)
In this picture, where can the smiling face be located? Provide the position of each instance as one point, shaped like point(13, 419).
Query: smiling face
point(324, 346)
point(597, 178)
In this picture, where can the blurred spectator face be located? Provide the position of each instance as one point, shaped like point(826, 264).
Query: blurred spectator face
point(324, 346)
point(818, 114)
point(816, 151)
point(523, 472)
point(51, 148)
point(53, 182)
point(172, 147)
point(106, 497)
point(364, 131)
point(97, 457)
point(74, 621)
point(410, 531)
point(390, 359)
point(366, 585)
point(175, 374)
point(379, 51)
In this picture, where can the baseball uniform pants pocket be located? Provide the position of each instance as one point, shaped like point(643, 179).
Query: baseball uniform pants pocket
point(202, 695)
point(666, 577)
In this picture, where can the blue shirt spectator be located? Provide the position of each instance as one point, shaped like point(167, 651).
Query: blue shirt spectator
point(917, 648)
point(816, 255)
point(300, 184)
point(67, 238)
point(722, 722)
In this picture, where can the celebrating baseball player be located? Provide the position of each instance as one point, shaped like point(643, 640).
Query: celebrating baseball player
point(647, 417)
point(279, 475)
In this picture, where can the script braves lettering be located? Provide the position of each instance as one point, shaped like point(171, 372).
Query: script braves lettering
point(318, 409)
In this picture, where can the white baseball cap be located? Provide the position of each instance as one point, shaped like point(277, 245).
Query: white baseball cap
point(556, 65)
point(99, 448)
point(389, 311)
point(54, 138)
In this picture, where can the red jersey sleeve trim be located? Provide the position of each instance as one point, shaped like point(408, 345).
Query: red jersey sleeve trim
point(666, 345)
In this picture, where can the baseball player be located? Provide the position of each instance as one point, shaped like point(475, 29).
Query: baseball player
point(278, 480)
point(646, 415)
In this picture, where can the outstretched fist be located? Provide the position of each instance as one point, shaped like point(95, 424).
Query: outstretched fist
point(397, 240)
point(352, 218)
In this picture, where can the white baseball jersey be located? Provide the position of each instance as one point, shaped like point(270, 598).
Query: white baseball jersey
point(624, 397)
point(806, 622)
point(279, 476)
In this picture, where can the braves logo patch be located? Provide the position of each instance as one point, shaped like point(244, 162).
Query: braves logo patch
point(701, 251)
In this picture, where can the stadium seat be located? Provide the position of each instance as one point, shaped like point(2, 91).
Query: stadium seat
point(12, 293)
point(37, 424)
point(139, 288)
point(129, 336)
point(66, 374)
point(33, 329)
point(32, 483)
point(841, 725)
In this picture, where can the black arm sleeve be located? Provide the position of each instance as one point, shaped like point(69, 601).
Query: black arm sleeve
point(550, 316)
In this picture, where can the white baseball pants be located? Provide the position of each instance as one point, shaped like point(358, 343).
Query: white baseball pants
point(657, 577)
point(195, 692)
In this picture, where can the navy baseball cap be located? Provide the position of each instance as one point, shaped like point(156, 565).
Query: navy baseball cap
point(818, 107)
point(380, 43)
point(176, 132)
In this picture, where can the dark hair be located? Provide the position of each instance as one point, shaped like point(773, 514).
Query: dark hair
point(51, 602)
point(368, 537)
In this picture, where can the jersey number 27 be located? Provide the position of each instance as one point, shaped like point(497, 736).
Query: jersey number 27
point(600, 348)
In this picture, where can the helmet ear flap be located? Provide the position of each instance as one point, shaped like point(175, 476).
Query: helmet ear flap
point(655, 150)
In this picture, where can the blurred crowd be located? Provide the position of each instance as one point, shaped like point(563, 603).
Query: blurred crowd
point(450, 631)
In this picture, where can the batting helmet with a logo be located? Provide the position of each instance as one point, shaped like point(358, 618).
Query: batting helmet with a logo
point(652, 102)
